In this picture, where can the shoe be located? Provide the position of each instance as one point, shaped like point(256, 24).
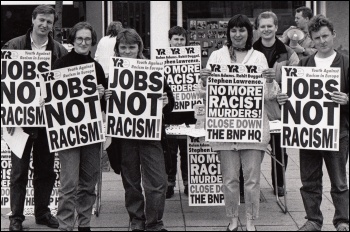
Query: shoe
point(234, 229)
point(280, 191)
point(310, 226)
point(169, 192)
point(342, 226)
point(186, 190)
point(15, 225)
point(84, 228)
point(47, 220)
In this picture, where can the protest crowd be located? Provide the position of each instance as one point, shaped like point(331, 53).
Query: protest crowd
point(66, 108)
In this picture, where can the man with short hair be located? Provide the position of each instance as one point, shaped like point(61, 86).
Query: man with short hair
point(322, 33)
point(37, 39)
point(277, 55)
point(305, 46)
point(177, 38)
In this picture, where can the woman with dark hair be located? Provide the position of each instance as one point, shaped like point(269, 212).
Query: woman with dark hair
point(238, 49)
point(142, 160)
point(105, 48)
point(80, 166)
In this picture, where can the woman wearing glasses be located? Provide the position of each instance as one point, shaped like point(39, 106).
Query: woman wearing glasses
point(79, 166)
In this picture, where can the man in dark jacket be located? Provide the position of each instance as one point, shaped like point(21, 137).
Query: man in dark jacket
point(38, 39)
point(323, 34)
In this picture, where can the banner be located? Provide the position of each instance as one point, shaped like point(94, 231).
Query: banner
point(20, 87)
point(235, 101)
point(72, 107)
point(6, 166)
point(205, 178)
point(182, 72)
point(135, 110)
point(310, 118)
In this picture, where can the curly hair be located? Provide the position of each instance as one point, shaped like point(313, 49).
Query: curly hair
point(319, 21)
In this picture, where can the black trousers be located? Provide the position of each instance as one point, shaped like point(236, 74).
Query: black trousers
point(174, 146)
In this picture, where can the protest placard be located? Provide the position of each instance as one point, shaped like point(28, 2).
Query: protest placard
point(310, 118)
point(6, 166)
point(204, 171)
point(235, 101)
point(182, 72)
point(134, 110)
point(20, 87)
point(72, 107)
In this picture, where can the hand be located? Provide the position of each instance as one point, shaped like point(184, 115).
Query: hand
point(108, 94)
point(282, 98)
point(165, 99)
point(204, 74)
point(101, 90)
point(340, 98)
point(269, 74)
point(11, 130)
point(298, 49)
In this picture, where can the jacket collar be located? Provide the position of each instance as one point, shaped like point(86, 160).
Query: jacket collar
point(28, 45)
point(280, 47)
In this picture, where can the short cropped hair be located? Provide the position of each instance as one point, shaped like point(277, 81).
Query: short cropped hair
point(319, 21)
point(129, 36)
point(44, 9)
point(240, 20)
point(267, 15)
point(79, 26)
point(177, 31)
point(113, 28)
point(306, 11)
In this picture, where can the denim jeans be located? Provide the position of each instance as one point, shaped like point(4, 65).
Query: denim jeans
point(311, 177)
point(144, 160)
point(230, 165)
point(278, 154)
point(174, 145)
point(79, 174)
point(43, 179)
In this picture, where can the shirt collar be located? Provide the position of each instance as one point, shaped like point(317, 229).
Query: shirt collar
point(37, 47)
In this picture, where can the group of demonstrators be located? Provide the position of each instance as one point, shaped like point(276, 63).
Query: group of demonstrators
point(137, 89)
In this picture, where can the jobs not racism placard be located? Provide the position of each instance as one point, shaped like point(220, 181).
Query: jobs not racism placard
point(182, 72)
point(235, 101)
point(310, 118)
point(20, 87)
point(72, 107)
point(135, 110)
point(204, 172)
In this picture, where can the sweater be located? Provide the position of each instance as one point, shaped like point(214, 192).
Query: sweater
point(253, 57)
point(341, 61)
point(104, 52)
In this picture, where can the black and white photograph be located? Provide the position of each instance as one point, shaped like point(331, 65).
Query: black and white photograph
point(174, 116)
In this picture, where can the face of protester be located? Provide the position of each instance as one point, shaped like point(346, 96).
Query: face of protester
point(324, 40)
point(128, 50)
point(300, 20)
point(267, 28)
point(177, 41)
point(43, 24)
point(82, 41)
point(239, 36)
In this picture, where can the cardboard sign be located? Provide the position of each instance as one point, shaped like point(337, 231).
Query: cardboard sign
point(235, 101)
point(182, 72)
point(6, 166)
point(135, 110)
point(72, 107)
point(20, 87)
point(204, 171)
point(310, 118)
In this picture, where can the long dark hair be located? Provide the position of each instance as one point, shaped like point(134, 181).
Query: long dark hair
point(240, 20)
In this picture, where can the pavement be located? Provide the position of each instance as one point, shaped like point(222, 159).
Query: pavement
point(178, 216)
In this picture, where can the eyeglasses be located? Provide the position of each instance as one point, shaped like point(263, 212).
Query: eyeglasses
point(80, 40)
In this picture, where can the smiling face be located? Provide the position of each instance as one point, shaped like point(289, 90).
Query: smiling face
point(84, 47)
point(324, 41)
point(239, 36)
point(267, 28)
point(128, 50)
point(43, 24)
